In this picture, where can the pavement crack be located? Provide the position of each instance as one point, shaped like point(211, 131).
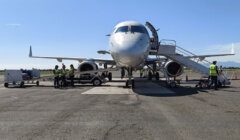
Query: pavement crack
point(105, 137)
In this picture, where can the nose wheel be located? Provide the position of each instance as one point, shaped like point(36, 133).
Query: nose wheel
point(150, 75)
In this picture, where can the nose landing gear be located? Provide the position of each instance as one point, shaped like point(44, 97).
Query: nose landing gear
point(130, 81)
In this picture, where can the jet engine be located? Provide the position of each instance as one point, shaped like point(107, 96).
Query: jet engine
point(173, 69)
point(87, 66)
point(92, 66)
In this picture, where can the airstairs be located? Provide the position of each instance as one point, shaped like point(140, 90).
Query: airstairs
point(189, 63)
point(170, 50)
point(182, 56)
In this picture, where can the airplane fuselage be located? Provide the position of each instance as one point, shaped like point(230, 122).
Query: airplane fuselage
point(129, 44)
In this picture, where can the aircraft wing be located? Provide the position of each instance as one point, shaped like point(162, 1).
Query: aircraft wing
point(154, 60)
point(202, 57)
point(59, 59)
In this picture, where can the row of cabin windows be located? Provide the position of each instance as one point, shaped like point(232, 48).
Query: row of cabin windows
point(132, 29)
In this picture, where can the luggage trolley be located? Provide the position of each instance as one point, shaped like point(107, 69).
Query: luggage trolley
point(21, 77)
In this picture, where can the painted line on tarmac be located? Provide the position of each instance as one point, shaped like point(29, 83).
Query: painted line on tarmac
point(109, 91)
point(142, 88)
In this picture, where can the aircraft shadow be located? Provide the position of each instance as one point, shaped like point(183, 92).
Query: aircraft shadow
point(161, 90)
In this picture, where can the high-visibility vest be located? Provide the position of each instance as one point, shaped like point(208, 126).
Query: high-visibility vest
point(213, 70)
point(56, 72)
point(62, 73)
point(71, 72)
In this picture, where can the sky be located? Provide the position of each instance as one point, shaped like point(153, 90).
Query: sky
point(78, 28)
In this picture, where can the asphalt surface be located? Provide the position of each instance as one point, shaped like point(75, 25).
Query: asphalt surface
point(113, 112)
point(1, 79)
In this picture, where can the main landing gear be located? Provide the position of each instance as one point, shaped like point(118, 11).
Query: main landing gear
point(110, 76)
point(130, 83)
point(155, 75)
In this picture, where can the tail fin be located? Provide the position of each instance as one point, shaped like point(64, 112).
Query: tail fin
point(30, 51)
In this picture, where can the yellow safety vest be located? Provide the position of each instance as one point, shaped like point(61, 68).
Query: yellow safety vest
point(62, 73)
point(71, 72)
point(213, 70)
point(56, 72)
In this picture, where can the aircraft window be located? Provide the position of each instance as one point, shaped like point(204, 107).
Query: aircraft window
point(122, 29)
point(138, 29)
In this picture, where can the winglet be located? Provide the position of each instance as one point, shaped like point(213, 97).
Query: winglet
point(232, 51)
point(30, 51)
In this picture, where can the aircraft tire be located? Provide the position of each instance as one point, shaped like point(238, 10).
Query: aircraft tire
point(133, 84)
point(37, 83)
point(110, 76)
point(6, 85)
point(149, 75)
point(127, 82)
point(157, 76)
point(97, 82)
point(172, 85)
point(21, 84)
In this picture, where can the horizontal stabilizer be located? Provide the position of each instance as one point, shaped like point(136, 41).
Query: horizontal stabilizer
point(103, 52)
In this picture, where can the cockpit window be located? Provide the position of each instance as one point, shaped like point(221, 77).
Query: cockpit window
point(122, 29)
point(138, 29)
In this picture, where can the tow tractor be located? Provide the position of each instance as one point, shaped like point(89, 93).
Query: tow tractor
point(94, 79)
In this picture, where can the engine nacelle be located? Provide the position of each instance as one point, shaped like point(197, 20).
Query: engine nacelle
point(87, 66)
point(173, 69)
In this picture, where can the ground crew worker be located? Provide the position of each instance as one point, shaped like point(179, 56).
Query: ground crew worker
point(220, 70)
point(62, 76)
point(213, 73)
point(71, 75)
point(122, 73)
point(56, 73)
point(141, 73)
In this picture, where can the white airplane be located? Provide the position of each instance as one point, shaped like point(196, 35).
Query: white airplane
point(130, 45)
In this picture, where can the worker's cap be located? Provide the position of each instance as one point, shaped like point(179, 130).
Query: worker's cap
point(214, 61)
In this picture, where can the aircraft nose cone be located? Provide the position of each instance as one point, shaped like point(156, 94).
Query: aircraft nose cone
point(131, 45)
point(129, 49)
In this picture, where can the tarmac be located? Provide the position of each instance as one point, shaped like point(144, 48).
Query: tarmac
point(1, 79)
point(111, 111)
